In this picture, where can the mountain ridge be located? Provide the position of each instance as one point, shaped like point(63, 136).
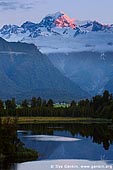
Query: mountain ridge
point(49, 25)
point(25, 71)
point(83, 39)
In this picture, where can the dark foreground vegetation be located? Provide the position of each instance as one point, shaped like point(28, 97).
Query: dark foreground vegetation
point(100, 106)
point(10, 146)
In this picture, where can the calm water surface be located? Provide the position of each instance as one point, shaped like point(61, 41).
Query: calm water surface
point(67, 141)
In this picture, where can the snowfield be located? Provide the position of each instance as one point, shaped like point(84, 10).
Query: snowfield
point(92, 41)
point(59, 33)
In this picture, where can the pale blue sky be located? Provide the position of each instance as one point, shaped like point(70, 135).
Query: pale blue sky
point(18, 11)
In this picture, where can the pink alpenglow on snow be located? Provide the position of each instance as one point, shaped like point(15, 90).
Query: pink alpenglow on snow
point(65, 21)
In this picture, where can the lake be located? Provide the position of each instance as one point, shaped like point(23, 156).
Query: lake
point(66, 146)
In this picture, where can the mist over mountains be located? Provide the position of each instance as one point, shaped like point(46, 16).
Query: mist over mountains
point(69, 59)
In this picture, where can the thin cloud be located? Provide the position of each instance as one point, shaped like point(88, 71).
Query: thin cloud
point(26, 6)
point(13, 5)
point(7, 5)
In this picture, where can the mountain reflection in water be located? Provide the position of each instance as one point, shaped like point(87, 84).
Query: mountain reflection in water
point(92, 142)
point(98, 133)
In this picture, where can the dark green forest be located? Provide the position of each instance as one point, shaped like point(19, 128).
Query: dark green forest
point(100, 106)
point(10, 145)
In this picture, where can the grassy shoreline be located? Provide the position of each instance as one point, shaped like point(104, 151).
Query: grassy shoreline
point(38, 120)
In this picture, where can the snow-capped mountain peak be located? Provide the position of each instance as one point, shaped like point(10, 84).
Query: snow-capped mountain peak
point(56, 15)
point(28, 25)
point(9, 28)
point(59, 19)
point(55, 31)
point(58, 23)
point(65, 21)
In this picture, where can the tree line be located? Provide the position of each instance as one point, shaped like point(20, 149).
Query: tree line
point(99, 133)
point(100, 106)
